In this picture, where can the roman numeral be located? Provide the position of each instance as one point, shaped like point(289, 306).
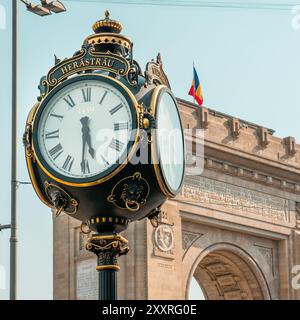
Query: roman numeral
point(121, 126)
point(56, 116)
point(52, 135)
point(103, 97)
point(68, 99)
point(115, 109)
point(87, 94)
point(68, 163)
point(116, 144)
point(56, 151)
point(85, 168)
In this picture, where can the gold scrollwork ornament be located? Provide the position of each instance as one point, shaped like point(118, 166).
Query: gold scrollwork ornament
point(84, 228)
point(130, 193)
point(61, 200)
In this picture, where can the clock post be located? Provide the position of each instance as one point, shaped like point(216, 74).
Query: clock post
point(104, 143)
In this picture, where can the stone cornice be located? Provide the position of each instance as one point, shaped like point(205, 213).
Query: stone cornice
point(252, 161)
point(219, 114)
point(246, 145)
point(257, 176)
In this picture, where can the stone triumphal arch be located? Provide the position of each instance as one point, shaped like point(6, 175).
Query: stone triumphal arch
point(235, 227)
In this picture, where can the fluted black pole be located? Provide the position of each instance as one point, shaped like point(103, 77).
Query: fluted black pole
point(108, 285)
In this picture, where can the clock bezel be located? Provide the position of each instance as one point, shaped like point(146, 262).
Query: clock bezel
point(124, 158)
point(159, 172)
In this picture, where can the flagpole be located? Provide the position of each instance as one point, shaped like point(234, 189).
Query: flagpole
point(194, 80)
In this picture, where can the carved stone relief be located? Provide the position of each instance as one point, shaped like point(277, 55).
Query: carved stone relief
point(203, 190)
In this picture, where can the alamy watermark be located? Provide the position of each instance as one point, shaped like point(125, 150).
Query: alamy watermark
point(2, 17)
point(170, 150)
point(2, 278)
point(295, 22)
point(296, 277)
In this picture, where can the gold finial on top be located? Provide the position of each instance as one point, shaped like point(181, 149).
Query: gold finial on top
point(107, 25)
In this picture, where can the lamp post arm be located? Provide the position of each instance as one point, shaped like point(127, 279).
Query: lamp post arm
point(4, 226)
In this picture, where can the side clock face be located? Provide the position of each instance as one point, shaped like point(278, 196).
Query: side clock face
point(170, 147)
point(85, 128)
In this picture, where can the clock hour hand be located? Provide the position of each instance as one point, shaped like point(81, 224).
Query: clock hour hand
point(86, 137)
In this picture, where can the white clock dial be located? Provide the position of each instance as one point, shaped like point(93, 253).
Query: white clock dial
point(170, 141)
point(84, 128)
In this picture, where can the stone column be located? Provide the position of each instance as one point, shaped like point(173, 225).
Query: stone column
point(295, 281)
point(164, 245)
point(284, 273)
point(132, 277)
point(61, 261)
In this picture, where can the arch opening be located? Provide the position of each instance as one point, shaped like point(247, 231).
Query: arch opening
point(225, 275)
point(196, 292)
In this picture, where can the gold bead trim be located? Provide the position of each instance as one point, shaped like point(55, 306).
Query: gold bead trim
point(108, 38)
point(146, 123)
point(108, 267)
point(116, 220)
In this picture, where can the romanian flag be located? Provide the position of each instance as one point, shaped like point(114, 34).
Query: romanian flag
point(196, 90)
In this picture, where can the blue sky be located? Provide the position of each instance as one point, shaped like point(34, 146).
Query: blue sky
point(248, 63)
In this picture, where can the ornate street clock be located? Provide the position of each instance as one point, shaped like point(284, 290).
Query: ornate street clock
point(104, 143)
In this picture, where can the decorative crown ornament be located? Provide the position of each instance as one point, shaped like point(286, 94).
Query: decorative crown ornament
point(107, 37)
point(107, 25)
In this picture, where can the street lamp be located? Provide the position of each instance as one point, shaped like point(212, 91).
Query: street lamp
point(41, 10)
point(37, 9)
point(54, 6)
point(45, 8)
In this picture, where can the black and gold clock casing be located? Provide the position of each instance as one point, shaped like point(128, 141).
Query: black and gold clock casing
point(137, 184)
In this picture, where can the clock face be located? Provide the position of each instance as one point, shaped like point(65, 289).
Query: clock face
point(170, 141)
point(85, 128)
